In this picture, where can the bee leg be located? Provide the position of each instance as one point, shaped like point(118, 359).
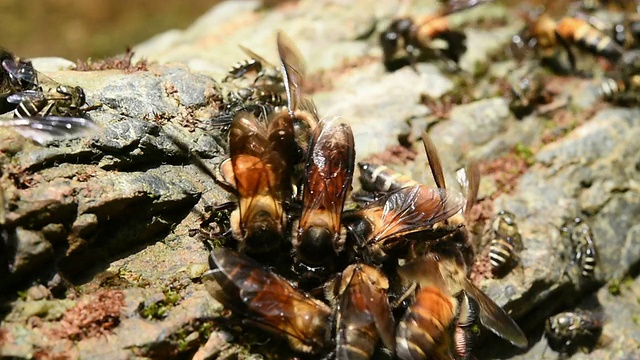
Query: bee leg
point(410, 291)
point(567, 47)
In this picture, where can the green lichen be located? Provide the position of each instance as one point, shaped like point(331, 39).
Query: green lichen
point(160, 309)
point(525, 153)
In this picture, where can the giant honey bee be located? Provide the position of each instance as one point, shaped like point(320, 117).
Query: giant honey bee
point(362, 312)
point(505, 244)
point(259, 169)
point(569, 331)
point(381, 225)
point(428, 327)
point(326, 183)
point(545, 34)
point(415, 36)
point(268, 301)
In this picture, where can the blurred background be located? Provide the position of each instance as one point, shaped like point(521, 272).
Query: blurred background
point(77, 29)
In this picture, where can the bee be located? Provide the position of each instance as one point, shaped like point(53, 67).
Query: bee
point(302, 110)
point(505, 244)
point(428, 328)
point(362, 312)
point(62, 101)
point(16, 75)
point(415, 36)
point(569, 331)
point(256, 64)
point(455, 230)
point(621, 91)
point(326, 183)
point(381, 179)
point(465, 332)
point(545, 34)
point(584, 250)
point(259, 172)
point(527, 91)
point(381, 225)
point(44, 129)
point(268, 301)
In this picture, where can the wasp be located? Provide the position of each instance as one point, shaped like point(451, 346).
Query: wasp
point(545, 34)
point(259, 172)
point(505, 244)
point(621, 91)
point(327, 180)
point(569, 331)
point(429, 326)
point(268, 301)
point(415, 36)
point(362, 312)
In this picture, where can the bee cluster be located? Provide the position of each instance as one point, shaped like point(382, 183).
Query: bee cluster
point(42, 109)
point(590, 29)
point(335, 278)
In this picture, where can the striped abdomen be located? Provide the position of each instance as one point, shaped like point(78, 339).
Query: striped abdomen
point(589, 38)
point(501, 253)
point(379, 178)
point(425, 331)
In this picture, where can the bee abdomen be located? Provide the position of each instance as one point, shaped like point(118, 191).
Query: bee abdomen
point(500, 253)
point(589, 38)
point(359, 344)
point(610, 87)
point(380, 178)
point(589, 263)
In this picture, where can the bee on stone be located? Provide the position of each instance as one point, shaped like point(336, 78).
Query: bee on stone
point(583, 259)
point(621, 91)
point(545, 35)
point(506, 243)
point(568, 332)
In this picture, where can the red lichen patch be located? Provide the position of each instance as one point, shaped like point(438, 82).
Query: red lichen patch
point(394, 154)
point(5, 337)
point(95, 315)
point(113, 63)
point(44, 354)
point(506, 171)
point(481, 269)
point(323, 80)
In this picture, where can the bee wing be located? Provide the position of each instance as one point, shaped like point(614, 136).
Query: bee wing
point(32, 95)
point(245, 286)
point(495, 318)
point(424, 271)
point(328, 172)
point(435, 164)
point(469, 179)
point(412, 209)
point(21, 71)
point(47, 128)
point(460, 5)
point(293, 68)
point(360, 302)
point(255, 56)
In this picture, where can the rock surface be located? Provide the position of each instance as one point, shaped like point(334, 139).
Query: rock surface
point(115, 210)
